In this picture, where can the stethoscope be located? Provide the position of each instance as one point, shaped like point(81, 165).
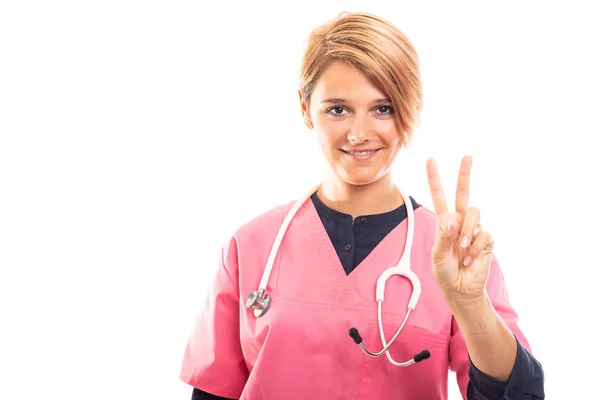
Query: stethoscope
point(260, 301)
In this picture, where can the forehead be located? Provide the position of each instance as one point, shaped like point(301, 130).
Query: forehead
point(342, 80)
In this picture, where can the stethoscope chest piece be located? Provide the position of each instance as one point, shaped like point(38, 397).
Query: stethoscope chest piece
point(259, 302)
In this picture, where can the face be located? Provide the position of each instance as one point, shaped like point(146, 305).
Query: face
point(355, 125)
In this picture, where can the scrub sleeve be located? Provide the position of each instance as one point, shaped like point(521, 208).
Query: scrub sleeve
point(213, 361)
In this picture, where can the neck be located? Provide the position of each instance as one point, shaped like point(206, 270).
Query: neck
point(378, 197)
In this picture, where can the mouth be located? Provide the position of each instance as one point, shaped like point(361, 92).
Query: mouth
point(360, 155)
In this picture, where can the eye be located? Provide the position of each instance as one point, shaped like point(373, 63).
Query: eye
point(335, 110)
point(385, 110)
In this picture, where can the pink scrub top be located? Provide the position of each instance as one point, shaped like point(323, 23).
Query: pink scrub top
point(300, 349)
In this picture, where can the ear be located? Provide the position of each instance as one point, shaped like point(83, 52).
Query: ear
point(305, 111)
point(303, 106)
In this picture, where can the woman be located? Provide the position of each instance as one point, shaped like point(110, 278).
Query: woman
point(360, 91)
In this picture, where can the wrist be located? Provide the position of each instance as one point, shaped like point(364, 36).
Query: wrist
point(475, 316)
point(466, 304)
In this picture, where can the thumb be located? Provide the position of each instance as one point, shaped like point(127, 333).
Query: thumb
point(447, 234)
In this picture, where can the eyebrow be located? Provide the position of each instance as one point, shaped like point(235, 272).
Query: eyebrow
point(340, 101)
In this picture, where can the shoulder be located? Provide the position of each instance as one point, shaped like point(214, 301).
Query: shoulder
point(425, 219)
point(248, 247)
point(261, 228)
point(265, 222)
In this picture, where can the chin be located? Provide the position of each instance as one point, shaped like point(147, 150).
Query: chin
point(359, 179)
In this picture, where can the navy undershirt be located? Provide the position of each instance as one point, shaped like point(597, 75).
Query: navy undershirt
point(354, 240)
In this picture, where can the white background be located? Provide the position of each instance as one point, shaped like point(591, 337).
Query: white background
point(136, 136)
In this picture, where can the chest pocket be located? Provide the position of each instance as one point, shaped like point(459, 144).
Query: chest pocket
point(381, 379)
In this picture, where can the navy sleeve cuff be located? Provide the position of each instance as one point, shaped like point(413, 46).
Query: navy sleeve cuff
point(526, 380)
point(198, 394)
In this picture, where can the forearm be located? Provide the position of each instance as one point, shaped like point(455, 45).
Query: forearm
point(490, 343)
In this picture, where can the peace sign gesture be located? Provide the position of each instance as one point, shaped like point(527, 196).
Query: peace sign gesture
point(462, 251)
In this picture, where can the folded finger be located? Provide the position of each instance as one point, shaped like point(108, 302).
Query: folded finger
point(468, 227)
point(483, 243)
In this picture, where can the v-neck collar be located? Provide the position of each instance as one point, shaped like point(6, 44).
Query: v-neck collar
point(342, 283)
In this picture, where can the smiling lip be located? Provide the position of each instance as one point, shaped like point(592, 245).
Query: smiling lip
point(360, 155)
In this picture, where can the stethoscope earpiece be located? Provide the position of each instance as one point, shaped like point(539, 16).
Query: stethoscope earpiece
point(353, 332)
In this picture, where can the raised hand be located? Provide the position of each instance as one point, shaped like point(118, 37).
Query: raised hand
point(462, 252)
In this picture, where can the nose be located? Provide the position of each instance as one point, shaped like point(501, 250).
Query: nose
point(361, 130)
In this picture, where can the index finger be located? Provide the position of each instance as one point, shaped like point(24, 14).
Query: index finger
point(440, 204)
point(462, 186)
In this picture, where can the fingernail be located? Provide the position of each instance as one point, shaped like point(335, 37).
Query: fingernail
point(464, 241)
point(467, 260)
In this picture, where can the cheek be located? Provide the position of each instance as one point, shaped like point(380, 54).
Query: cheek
point(394, 141)
point(332, 134)
point(390, 135)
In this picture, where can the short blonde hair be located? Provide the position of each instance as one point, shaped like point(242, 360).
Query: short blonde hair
point(377, 48)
